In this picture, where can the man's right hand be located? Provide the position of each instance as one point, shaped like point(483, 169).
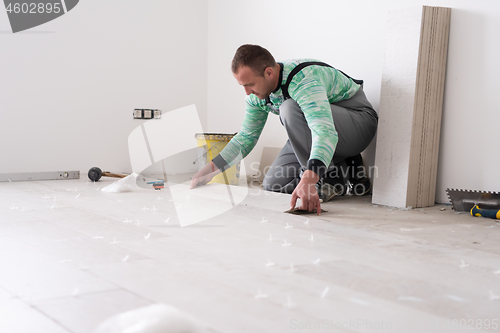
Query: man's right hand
point(205, 175)
point(307, 193)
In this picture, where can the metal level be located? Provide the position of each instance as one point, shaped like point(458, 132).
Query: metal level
point(49, 175)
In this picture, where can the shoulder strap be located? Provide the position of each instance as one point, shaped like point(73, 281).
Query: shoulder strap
point(299, 67)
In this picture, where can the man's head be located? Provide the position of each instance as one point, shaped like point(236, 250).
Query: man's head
point(256, 70)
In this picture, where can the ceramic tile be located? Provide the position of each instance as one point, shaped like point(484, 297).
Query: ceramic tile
point(70, 247)
point(31, 275)
point(18, 317)
point(83, 313)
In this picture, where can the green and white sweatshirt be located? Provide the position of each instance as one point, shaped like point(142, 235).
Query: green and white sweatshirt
point(313, 88)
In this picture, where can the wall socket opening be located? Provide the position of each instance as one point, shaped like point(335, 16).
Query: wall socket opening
point(147, 114)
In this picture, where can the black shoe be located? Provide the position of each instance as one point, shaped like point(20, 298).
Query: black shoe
point(333, 184)
point(359, 183)
point(360, 187)
point(328, 192)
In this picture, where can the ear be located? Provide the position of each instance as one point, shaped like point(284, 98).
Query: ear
point(269, 71)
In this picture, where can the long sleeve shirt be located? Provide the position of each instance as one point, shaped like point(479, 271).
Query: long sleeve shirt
point(314, 88)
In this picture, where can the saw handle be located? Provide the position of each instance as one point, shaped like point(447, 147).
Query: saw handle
point(491, 213)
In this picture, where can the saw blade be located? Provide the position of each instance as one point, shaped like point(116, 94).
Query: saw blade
point(464, 200)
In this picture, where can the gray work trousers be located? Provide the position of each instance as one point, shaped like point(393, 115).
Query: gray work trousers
point(355, 121)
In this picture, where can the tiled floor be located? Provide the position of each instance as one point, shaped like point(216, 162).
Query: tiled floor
point(72, 256)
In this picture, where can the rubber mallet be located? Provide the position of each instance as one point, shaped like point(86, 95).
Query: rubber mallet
point(95, 174)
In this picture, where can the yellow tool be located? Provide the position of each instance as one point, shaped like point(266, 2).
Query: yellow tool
point(491, 213)
point(469, 201)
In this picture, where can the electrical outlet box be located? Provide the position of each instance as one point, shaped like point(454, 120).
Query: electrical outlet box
point(147, 114)
point(137, 114)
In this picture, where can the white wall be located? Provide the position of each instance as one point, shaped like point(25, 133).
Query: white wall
point(350, 35)
point(68, 87)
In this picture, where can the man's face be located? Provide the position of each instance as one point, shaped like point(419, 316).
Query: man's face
point(260, 86)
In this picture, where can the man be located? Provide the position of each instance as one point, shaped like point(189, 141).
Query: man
point(327, 117)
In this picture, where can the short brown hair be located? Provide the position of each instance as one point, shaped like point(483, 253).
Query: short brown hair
point(255, 57)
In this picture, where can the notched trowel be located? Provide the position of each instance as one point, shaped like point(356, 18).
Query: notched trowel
point(478, 203)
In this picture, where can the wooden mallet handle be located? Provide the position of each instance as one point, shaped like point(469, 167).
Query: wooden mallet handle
point(109, 174)
point(95, 174)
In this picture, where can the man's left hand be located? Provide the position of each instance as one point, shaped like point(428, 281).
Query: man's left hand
point(307, 193)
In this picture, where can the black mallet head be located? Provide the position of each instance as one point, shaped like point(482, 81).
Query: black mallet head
point(95, 174)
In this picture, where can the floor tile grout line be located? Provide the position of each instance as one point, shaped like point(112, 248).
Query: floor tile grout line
point(141, 296)
point(121, 287)
point(35, 306)
point(49, 317)
point(61, 225)
point(41, 301)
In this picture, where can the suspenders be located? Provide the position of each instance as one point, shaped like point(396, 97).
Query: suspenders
point(297, 69)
